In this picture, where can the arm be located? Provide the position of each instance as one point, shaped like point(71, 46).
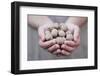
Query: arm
point(41, 22)
point(76, 20)
point(36, 21)
point(74, 24)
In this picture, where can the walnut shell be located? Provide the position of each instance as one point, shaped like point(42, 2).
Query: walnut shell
point(56, 25)
point(61, 33)
point(63, 27)
point(59, 40)
point(68, 32)
point(54, 32)
point(48, 36)
point(69, 37)
point(64, 39)
point(47, 32)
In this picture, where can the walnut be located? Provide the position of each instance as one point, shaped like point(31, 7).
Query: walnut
point(48, 35)
point(59, 40)
point(63, 27)
point(61, 33)
point(69, 36)
point(56, 25)
point(64, 39)
point(54, 32)
point(68, 32)
point(47, 32)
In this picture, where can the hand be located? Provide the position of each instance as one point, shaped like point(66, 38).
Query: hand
point(50, 45)
point(69, 46)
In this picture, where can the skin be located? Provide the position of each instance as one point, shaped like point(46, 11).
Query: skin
point(43, 22)
point(74, 24)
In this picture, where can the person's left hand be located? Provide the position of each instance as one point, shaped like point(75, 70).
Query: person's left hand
point(69, 46)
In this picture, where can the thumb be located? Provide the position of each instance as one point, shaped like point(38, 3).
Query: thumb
point(76, 34)
point(41, 34)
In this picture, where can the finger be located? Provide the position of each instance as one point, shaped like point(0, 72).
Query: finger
point(63, 52)
point(47, 44)
point(67, 48)
point(53, 48)
point(41, 33)
point(58, 51)
point(78, 42)
point(76, 34)
point(70, 43)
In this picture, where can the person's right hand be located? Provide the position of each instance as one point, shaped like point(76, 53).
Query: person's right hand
point(51, 44)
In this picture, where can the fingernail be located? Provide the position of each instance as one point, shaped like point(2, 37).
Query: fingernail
point(62, 46)
point(58, 50)
point(66, 53)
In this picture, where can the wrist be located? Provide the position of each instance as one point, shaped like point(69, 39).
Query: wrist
point(72, 26)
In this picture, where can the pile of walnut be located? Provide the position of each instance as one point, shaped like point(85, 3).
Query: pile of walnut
point(59, 32)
